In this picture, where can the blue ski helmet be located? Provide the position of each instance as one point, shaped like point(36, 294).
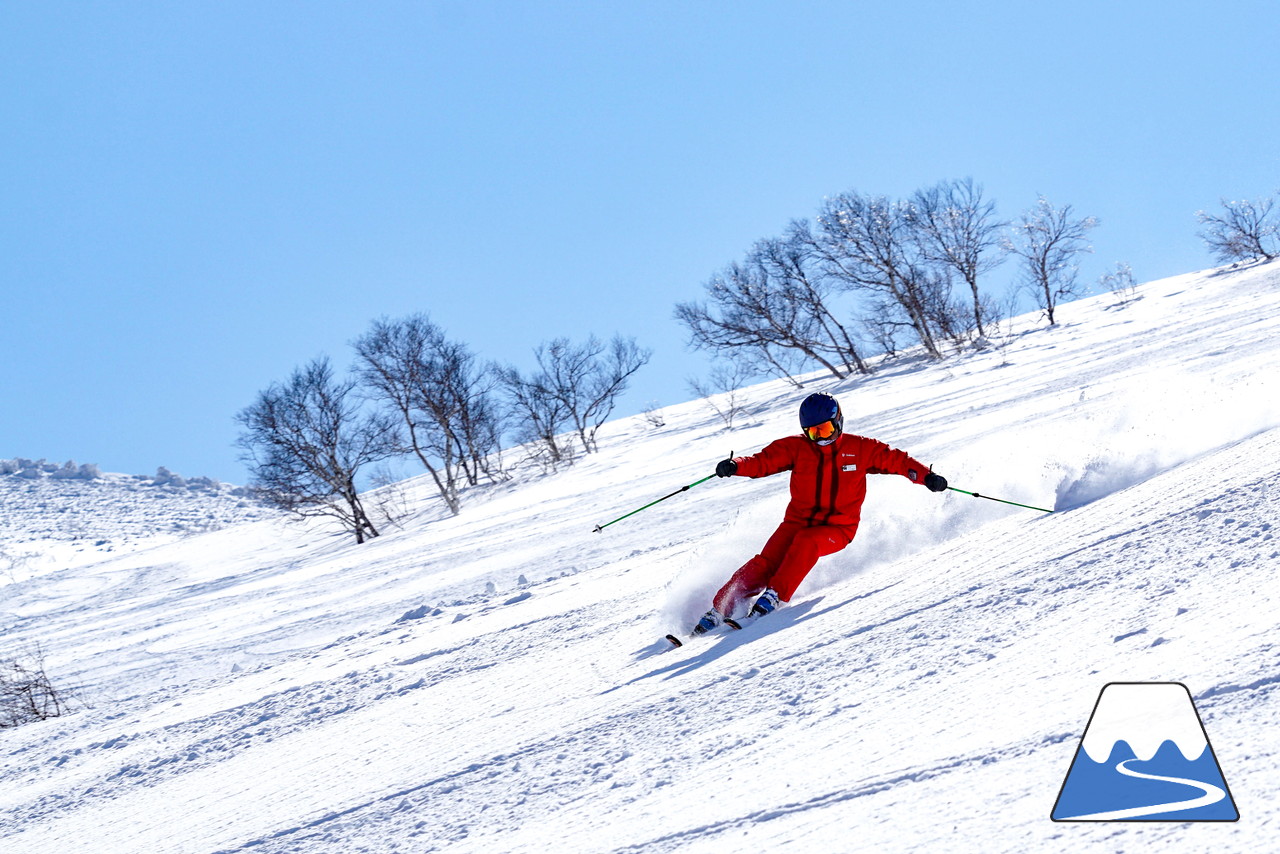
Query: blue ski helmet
point(818, 409)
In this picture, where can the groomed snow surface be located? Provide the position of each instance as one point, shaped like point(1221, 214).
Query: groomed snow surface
point(497, 682)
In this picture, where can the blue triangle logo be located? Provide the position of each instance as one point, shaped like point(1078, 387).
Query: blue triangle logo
point(1145, 756)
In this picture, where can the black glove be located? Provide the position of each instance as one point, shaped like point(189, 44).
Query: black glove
point(726, 468)
point(935, 482)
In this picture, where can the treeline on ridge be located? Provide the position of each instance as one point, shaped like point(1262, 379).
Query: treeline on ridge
point(414, 392)
point(869, 275)
point(874, 274)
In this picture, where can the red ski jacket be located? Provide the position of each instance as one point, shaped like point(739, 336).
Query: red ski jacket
point(829, 484)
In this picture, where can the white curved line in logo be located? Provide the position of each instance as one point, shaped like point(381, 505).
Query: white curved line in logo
point(1212, 794)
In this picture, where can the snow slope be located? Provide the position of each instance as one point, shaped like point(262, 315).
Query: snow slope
point(497, 682)
point(56, 516)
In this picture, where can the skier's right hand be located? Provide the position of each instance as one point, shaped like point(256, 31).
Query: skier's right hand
point(726, 468)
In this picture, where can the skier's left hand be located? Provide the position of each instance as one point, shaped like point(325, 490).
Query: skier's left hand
point(935, 482)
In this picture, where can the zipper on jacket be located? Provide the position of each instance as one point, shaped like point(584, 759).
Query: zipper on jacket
point(817, 489)
point(835, 481)
point(820, 482)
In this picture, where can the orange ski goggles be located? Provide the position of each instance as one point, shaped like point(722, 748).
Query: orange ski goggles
point(818, 432)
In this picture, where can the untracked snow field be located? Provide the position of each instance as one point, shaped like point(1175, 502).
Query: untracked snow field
point(498, 682)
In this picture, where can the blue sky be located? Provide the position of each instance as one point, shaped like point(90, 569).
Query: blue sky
point(197, 197)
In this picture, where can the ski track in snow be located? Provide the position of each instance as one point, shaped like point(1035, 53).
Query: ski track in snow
point(497, 682)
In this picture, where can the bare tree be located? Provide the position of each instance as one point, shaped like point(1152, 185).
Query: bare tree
point(442, 395)
point(958, 229)
point(576, 387)
point(868, 244)
point(1243, 231)
point(791, 264)
point(389, 494)
point(883, 325)
point(306, 440)
point(587, 379)
point(540, 418)
point(1048, 239)
point(745, 317)
point(947, 316)
point(26, 692)
point(770, 308)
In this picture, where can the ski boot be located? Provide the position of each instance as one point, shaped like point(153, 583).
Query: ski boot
point(766, 604)
point(709, 621)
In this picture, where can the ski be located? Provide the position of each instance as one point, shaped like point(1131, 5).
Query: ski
point(678, 640)
point(729, 622)
point(742, 622)
point(712, 620)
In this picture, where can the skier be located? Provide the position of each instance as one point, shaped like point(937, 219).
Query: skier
point(829, 471)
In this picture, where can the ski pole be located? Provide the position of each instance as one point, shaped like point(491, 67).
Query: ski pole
point(600, 528)
point(1001, 500)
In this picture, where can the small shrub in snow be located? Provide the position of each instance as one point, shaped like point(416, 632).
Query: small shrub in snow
point(24, 467)
point(653, 415)
point(26, 693)
point(723, 392)
point(67, 472)
point(164, 477)
point(1120, 282)
point(11, 562)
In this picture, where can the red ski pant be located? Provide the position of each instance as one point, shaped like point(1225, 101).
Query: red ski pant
point(783, 563)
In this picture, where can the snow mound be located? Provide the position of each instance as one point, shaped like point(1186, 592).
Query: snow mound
point(62, 515)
